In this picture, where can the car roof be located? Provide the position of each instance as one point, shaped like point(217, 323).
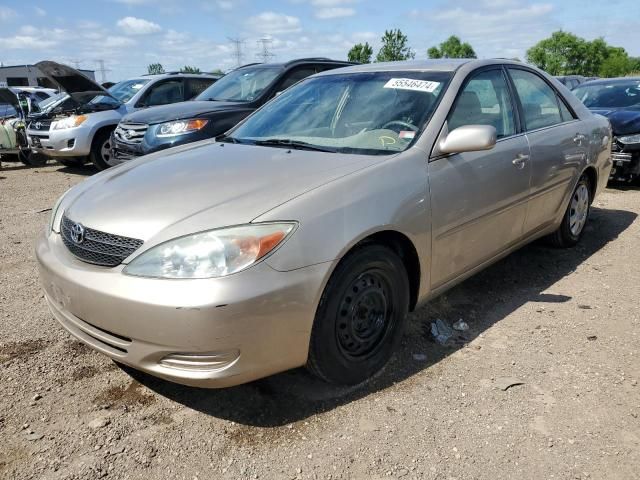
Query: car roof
point(609, 81)
point(155, 76)
point(432, 65)
point(299, 61)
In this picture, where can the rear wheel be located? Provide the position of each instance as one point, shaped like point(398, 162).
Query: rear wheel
point(361, 316)
point(100, 154)
point(576, 216)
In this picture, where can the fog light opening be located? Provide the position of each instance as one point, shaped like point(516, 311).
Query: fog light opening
point(71, 143)
point(201, 361)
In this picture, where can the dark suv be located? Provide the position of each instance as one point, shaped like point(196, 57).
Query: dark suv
point(214, 111)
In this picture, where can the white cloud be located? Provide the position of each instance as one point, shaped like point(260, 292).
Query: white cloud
point(274, 23)
point(334, 12)
point(41, 12)
point(137, 26)
point(7, 13)
point(330, 3)
point(224, 5)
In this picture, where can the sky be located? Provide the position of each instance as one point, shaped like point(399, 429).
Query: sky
point(128, 35)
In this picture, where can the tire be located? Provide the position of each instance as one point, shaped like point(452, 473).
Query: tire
point(72, 162)
point(100, 150)
point(576, 216)
point(360, 318)
point(33, 159)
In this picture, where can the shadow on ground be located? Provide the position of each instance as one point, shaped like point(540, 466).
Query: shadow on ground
point(482, 301)
point(86, 170)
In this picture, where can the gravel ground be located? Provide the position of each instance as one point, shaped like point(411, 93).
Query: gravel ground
point(544, 384)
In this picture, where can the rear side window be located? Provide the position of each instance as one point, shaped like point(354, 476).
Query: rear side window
point(195, 86)
point(538, 99)
point(164, 93)
point(295, 76)
point(485, 100)
point(567, 116)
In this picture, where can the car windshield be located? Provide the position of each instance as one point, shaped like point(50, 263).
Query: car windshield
point(242, 85)
point(610, 95)
point(123, 91)
point(366, 113)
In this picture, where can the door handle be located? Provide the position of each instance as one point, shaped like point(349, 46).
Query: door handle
point(579, 138)
point(520, 160)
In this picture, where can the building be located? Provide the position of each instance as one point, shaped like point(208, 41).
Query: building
point(30, 76)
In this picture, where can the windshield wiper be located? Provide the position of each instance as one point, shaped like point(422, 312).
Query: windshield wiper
point(295, 144)
point(227, 139)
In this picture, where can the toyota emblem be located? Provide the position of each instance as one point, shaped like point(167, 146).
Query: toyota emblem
point(38, 125)
point(77, 233)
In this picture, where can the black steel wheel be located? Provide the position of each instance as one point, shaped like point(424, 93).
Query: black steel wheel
point(361, 316)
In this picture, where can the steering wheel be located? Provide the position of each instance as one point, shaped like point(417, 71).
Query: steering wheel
point(408, 125)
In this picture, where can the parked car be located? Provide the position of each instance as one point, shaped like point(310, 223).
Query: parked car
point(214, 111)
point(571, 81)
point(618, 99)
point(305, 234)
point(84, 129)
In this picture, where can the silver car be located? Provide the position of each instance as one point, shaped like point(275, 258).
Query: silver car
point(306, 234)
point(82, 126)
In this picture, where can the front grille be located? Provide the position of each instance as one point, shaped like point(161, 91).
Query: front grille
point(40, 125)
point(97, 247)
point(132, 133)
point(621, 157)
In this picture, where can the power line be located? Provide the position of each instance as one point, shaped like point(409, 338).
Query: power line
point(103, 71)
point(237, 47)
point(265, 54)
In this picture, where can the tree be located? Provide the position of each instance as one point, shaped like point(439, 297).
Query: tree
point(189, 69)
point(155, 69)
point(452, 47)
point(394, 47)
point(567, 54)
point(360, 53)
point(218, 71)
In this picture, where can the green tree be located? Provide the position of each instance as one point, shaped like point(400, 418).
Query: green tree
point(394, 47)
point(189, 69)
point(155, 69)
point(218, 71)
point(452, 47)
point(567, 54)
point(360, 53)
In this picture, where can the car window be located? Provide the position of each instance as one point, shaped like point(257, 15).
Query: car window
point(242, 85)
point(195, 86)
point(164, 93)
point(485, 100)
point(610, 94)
point(294, 76)
point(538, 99)
point(565, 112)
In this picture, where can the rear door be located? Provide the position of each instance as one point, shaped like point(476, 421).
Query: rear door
point(558, 145)
point(479, 199)
point(163, 92)
point(195, 86)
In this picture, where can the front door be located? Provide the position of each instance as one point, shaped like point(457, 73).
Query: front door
point(479, 199)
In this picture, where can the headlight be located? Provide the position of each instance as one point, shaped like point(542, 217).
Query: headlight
point(630, 139)
point(215, 253)
point(68, 122)
point(54, 211)
point(180, 127)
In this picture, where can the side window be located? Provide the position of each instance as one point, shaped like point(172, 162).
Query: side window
point(163, 93)
point(485, 100)
point(567, 116)
point(538, 100)
point(295, 76)
point(195, 86)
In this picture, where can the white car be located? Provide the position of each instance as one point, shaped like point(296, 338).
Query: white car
point(82, 128)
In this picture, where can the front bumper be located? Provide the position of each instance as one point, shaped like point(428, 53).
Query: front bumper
point(70, 142)
point(626, 162)
point(257, 321)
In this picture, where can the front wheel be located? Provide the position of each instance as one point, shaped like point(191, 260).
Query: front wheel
point(361, 316)
point(576, 216)
point(100, 154)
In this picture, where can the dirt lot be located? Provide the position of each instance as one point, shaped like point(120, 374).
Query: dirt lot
point(564, 324)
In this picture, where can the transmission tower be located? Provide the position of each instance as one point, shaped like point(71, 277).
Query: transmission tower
point(265, 54)
point(237, 49)
point(76, 63)
point(103, 71)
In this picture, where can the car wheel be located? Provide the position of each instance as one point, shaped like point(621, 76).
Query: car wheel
point(576, 216)
point(72, 162)
point(361, 316)
point(100, 154)
point(32, 159)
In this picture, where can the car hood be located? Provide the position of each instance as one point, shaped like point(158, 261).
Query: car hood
point(80, 87)
point(201, 186)
point(624, 121)
point(182, 110)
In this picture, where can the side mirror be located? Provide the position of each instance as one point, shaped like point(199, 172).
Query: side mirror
point(468, 138)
